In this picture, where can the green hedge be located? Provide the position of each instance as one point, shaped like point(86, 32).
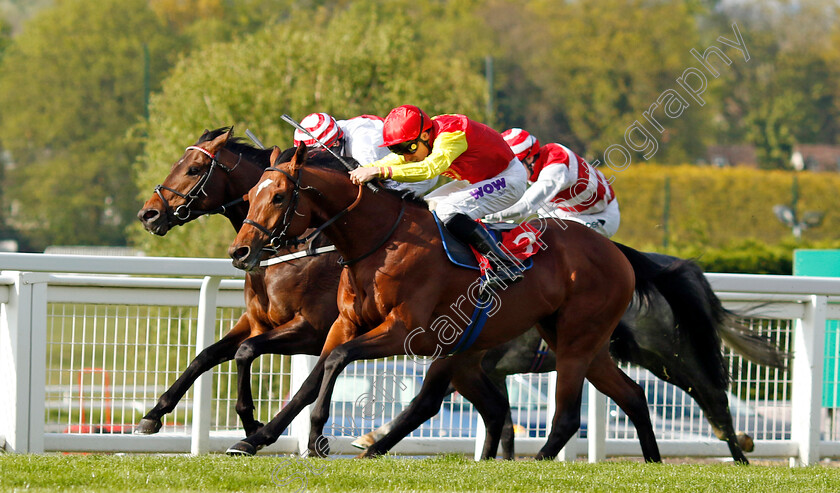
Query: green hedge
point(750, 256)
point(723, 217)
point(715, 207)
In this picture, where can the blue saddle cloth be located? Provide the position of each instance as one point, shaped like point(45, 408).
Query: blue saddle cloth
point(461, 255)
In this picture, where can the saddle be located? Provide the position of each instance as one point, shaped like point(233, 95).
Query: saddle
point(462, 255)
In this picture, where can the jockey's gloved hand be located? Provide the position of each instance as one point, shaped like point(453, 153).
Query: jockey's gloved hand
point(493, 218)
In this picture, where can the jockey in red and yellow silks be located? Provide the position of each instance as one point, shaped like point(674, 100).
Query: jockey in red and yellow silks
point(462, 149)
point(489, 177)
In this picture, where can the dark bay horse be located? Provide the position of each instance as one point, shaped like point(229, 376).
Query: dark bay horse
point(649, 338)
point(397, 278)
point(289, 306)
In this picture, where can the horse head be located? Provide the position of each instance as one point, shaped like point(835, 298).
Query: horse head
point(276, 214)
point(210, 177)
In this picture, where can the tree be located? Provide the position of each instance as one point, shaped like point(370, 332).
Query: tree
point(71, 85)
point(787, 92)
point(5, 35)
point(591, 68)
point(16, 12)
point(365, 58)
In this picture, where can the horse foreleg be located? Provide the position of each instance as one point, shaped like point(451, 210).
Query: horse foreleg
point(423, 407)
point(490, 402)
point(215, 354)
point(269, 433)
point(380, 342)
point(294, 337)
point(629, 396)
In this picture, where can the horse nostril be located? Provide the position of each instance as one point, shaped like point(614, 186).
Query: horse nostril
point(148, 215)
point(240, 253)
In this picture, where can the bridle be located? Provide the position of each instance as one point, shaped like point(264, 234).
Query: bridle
point(279, 239)
point(183, 211)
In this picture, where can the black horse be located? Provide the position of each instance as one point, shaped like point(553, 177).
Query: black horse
point(685, 352)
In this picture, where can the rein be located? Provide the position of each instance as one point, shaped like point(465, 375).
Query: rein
point(343, 262)
point(183, 211)
point(277, 240)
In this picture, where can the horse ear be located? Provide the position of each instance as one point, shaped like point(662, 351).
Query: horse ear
point(220, 141)
point(275, 155)
point(299, 158)
point(206, 131)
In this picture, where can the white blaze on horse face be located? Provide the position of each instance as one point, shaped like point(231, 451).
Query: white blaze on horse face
point(264, 184)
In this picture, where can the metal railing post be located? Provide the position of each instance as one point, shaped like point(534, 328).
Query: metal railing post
point(480, 432)
point(302, 366)
point(23, 333)
point(200, 443)
point(569, 452)
point(37, 281)
point(808, 347)
point(596, 432)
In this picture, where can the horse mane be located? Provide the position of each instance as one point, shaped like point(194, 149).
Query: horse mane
point(241, 146)
point(323, 159)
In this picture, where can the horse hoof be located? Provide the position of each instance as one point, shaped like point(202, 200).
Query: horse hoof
point(242, 449)
point(745, 442)
point(148, 427)
point(368, 454)
point(363, 442)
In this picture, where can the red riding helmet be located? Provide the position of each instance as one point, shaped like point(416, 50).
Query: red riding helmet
point(405, 123)
point(523, 144)
point(322, 126)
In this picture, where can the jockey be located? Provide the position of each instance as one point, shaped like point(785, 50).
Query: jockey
point(489, 178)
point(564, 186)
point(359, 138)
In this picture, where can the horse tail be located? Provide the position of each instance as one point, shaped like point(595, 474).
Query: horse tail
point(752, 346)
point(698, 313)
point(743, 339)
point(739, 337)
point(645, 271)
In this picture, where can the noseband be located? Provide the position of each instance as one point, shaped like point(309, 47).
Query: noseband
point(183, 211)
point(279, 239)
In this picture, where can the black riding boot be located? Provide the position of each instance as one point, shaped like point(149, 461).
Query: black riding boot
point(506, 270)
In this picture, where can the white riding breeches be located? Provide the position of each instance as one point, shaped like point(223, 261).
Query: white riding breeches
point(476, 200)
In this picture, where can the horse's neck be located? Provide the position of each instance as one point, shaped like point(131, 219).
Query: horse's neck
point(244, 176)
point(371, 222)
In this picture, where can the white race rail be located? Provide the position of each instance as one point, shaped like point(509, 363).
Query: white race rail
point(31, 285)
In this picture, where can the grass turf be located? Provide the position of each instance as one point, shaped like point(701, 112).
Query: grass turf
point(445, 473)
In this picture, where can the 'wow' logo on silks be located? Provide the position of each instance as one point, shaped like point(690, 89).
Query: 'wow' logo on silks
point(487, 189)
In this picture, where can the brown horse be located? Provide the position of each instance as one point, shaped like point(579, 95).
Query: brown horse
point(398, 279)
point(679, 345)
point(289, 306)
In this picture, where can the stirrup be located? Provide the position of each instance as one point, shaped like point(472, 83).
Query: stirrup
point(501, 277)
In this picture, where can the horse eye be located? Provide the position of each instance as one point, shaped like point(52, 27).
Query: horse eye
point(193, 170)
point(277, 199)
